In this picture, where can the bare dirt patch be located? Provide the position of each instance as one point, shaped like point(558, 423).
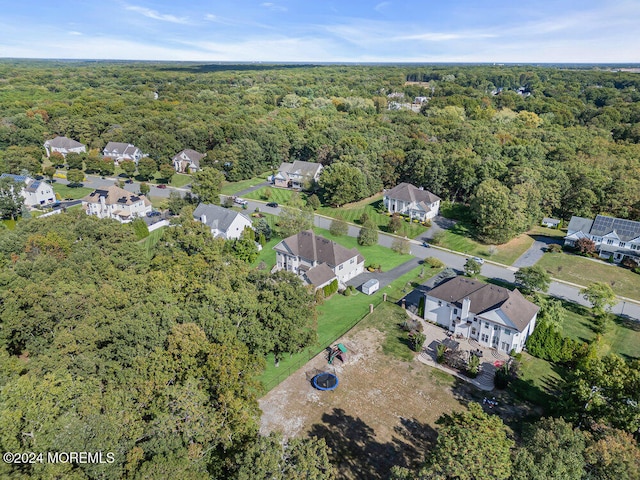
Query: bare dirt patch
point(382, 413)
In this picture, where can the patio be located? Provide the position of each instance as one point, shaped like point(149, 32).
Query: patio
point(490, 359)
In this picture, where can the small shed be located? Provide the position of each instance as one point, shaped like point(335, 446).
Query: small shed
point(370, 286)
point(550, 222)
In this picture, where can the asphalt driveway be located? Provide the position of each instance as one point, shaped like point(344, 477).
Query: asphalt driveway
point(535, 251)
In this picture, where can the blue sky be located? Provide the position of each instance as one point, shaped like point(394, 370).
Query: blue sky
point(324, 31)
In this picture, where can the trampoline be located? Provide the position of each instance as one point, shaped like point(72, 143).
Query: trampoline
point(325, 381)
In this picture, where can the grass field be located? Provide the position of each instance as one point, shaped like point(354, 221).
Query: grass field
point(584, 271)
point(278, 195)
point(231, 188)
point(180, 180)
point(336, 316)
point(70, 192)
point(538, 381)
point(151, 241)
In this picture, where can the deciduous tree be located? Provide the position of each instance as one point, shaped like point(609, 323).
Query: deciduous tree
point(533, 278)
point(206, 185)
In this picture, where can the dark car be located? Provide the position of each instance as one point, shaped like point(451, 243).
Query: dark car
point(163, 186)
point(129, 181)
point(426, 244)
point(272, 205)
point(153, 214)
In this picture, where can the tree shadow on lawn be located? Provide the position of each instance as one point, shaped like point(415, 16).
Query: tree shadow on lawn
point(354, 448)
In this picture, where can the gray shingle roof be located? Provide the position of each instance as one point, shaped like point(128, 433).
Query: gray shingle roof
point(216, 217)
point(63, 142)
point(193, 156)
point(485, 297)
point(304, 169)
point(579, 224)
point(315, 248)
point(320, 275)
point(410, 193)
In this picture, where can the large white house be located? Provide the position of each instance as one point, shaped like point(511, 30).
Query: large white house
point(407, 199)
point(614, 238)
point(187, 161)
point(317, 260)
point(223, 222)
point(495, 317)
point(120, 152)
point(297, 174)
point(117, 203)
point(64, 146)
point(34, 192)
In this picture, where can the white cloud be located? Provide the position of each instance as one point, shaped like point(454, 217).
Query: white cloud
point(73, 32)
point(155, 15)
point(381, 6)
point(273, 6)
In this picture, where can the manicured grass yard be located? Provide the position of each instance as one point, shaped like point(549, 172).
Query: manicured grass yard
point(537, 382)
point(75, 193)
point(231, 188)
point(151, 241)
point(180, 180)
point(278, 195)
point(584, 271)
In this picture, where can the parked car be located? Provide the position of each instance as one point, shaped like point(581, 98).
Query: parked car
point(129, 181)
point(239, 201)
point(162, 185)
point(425, 244)
point(272, 205)
point(153, 214)
point(479, 260)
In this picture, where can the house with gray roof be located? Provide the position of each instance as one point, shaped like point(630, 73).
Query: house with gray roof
point(223, 222)
point(120, 152)
point(187, 161)
point(614, 238)
point(64, 146)
point(297, 174)
point(407, 199)
point(317, 260)
point(34, 192)
point(494, 316)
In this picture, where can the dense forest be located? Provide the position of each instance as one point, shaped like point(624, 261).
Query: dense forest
point(516, 142)
point(154, 354)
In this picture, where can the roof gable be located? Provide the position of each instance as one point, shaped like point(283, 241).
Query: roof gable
point(217, 217)
point(412, 194)
point(318, 249)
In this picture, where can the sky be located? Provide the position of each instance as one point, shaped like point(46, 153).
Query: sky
point(535, 31)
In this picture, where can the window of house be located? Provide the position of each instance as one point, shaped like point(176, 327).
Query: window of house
point(475, 319)
point(609, 242)
point(439, 303)
point(622, 244)
point(352, 261)
point(507, 332)
point(485, 337)
point(486, 325)
point(340, 267)
point(473, 331)
point(455, 311)
point(496, 328)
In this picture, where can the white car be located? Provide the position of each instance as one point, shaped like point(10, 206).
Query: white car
point(478, 260)
point(240, 201)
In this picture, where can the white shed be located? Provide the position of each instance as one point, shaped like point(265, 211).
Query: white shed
point(370, 286)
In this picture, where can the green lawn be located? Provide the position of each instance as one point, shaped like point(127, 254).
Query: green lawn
point(385, 257)
point(151, 241)
point(335, 317)
point(278, 195)
point(584, 271)
point(74, 193)
point(180, 180)
point(538, 380)
point(231, 188)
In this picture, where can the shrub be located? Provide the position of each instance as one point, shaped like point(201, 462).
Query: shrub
point(438, 237)
point(338, 227)
point(440, 351)
point(330, 289)
point(140, 228)
point(421, 307)
point(434, 262)
point(554, 248)
point(548, 343)
point(416, 340)
point(350, 290)
point(473, 366)
point(401, 246)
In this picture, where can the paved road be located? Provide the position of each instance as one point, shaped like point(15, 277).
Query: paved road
point(535, 251)
point(456, 261)
point(93, 181)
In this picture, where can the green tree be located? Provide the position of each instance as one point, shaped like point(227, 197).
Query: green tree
point(343, 183)
point(472, 268)
point(533, 278)
point(313, 201)
point(470, 445)
point(167, 172)
point(553, 450)
point(93, 163)
point(292, 221)
point(10, 198)
point(107, 167)
point(496, 212)
point(147, 167)
point(206, 185)
point(600, 296)
point(75, 161)
point(368, 234)
point(49, 172)
point(263, 228)
point(611, 453)
point(75, 177)
point(395, 223)
point(244, 248)
point(128, 167)
point(145, 188)
point(338, 227)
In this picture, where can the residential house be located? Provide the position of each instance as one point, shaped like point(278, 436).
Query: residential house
point(64, 146)
point(122, 151)
point(187, 161)
point(34, 192)
point(223, 222)
point(407, 199)
point(317, 260)
point(495, 317)
point(614, 238)
point(550, 222)
point(117, 203)
point(297, 174)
